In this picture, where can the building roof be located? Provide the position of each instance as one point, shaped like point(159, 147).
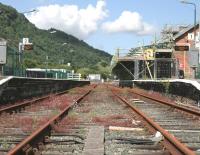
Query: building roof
point(44, 70)
point(2, 40)
point(183, 31)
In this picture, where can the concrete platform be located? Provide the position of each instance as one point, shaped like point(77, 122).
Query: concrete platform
point(19, 88)
point(193, 82)
point(181, 87)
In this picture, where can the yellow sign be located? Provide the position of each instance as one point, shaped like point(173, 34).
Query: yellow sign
point(149, 54)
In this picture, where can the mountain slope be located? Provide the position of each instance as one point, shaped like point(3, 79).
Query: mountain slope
point(60, 47)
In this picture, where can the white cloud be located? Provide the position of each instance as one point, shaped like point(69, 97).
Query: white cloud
point(69, 18)
point(129, 22)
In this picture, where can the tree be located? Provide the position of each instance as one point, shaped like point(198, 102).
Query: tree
point(28, 63)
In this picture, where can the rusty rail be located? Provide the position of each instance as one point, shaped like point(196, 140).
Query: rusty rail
point(21, 105)
point(32, 141)
point(17, 107)
point(171, 143)
point(182, 108)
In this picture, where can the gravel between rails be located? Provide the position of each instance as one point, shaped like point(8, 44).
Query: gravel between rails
point(17, 126)
point(185, 128)
point(102, 109)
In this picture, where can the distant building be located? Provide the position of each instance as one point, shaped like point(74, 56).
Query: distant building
point(94, 77)
point(173, 55)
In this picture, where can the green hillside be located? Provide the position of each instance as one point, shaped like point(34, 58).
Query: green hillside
point(60, 47)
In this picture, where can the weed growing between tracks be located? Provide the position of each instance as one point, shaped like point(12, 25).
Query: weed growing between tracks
point(114, 120)
point(102, 108)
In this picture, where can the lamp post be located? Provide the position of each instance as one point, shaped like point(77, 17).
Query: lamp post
point(195, 14)
point(21, 46)
point(25, 12)
point(47, 57)
point(194, 42)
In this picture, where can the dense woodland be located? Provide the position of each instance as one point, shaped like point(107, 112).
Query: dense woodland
point(60, 47)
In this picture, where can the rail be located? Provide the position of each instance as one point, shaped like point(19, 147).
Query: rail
point(19, 106)
point(182, 108)
point(26, 146)
point(170, 142)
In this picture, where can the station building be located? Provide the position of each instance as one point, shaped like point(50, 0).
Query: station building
point(184, 44)
point(174, 56)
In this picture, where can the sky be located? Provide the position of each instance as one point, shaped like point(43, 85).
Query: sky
point(108, 24)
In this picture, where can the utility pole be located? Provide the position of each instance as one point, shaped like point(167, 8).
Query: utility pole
point(194, 41)
point(46, 66)
point(117, 52)
point(195, 14)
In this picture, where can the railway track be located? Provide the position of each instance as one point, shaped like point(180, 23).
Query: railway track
point(179, 125)
point(97, 123)
point(104, 120)
point(103, 110)
point(20, 120)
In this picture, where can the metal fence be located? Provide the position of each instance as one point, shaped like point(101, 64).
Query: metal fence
point(13, 67)
point(75, 76)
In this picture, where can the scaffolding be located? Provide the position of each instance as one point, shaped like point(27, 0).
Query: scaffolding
point(145, 64)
